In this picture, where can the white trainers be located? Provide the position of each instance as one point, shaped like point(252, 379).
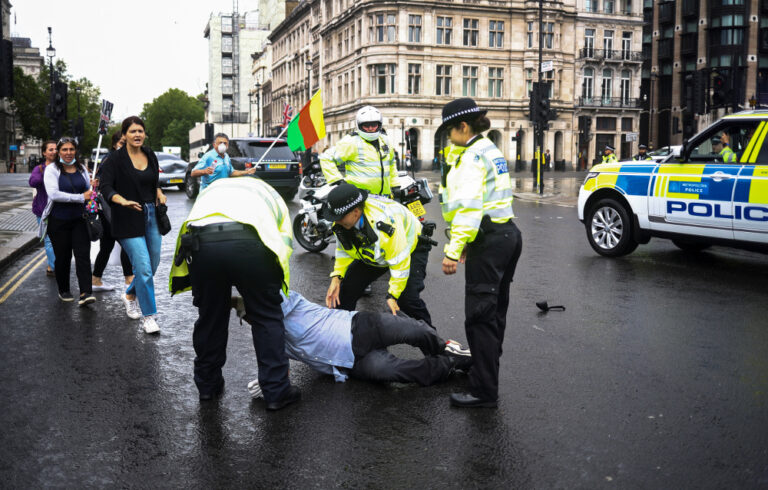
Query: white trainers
point(102, 287)
point(132, 308)
point(456, 348)
point(149, 324)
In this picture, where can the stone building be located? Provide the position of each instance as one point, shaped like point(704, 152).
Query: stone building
point(29, 59)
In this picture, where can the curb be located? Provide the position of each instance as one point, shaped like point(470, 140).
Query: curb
point(16, 247)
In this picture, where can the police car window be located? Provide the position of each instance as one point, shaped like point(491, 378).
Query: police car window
point(737, 136)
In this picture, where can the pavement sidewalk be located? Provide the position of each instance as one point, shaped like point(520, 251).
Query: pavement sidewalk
point(18, 226)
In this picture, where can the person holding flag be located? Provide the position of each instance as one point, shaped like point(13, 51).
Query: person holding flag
point(368, 160)
point(216, 164)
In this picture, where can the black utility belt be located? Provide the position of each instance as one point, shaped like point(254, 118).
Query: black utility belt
point(219, 232)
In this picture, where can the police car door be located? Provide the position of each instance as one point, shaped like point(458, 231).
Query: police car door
point(750, 222)
point(694, 197)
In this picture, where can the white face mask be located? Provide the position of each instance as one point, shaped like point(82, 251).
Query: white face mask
point(221, 148)
point(65, 163)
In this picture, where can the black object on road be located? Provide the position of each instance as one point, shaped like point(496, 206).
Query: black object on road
point(543, 306)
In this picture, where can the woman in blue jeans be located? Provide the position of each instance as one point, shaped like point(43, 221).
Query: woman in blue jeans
point(129, 180)
point(41, 197)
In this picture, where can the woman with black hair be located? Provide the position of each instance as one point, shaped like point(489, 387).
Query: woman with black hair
point(41, 197)
point(68, 186)
point(130, 183)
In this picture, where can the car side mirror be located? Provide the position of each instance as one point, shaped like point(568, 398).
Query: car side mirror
point(684, 151)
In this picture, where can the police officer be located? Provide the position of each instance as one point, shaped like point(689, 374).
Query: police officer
point(368, 159)
point(477, 202)
point(608, 155)
point(375, 234)
point(215, 164)
point(724, 152)
point(642, 153)
point(237, 234)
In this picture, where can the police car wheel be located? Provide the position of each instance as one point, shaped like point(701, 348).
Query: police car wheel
point(690, 246)
point(609, 229)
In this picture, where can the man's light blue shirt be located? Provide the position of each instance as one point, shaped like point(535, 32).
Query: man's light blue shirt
point(318, 336)
point(222, 167)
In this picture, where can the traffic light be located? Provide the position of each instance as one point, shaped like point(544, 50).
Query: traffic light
point(533, 103)
point(719, 90)
point(699, 93)
point(60, 100)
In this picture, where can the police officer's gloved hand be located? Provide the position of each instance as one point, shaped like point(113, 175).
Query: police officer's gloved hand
point(396, 192)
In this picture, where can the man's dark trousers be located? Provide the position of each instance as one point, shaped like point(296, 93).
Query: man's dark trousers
point(359, 275)
point(255, 271)
point(372, 333)
point(490, 267)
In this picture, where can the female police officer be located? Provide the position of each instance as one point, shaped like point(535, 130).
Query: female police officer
point(477, 203)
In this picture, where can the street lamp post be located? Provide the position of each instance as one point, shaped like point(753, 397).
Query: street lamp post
point(50, 52)
point(308, 64)
point(258, 109)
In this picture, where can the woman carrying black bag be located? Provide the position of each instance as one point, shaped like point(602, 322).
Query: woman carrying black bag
point(107, 242)
point(68, 186)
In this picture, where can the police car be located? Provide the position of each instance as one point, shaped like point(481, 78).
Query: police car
point(695, 199)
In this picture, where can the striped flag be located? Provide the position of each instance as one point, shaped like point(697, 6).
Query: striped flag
point(287, 114)
point(308, 127)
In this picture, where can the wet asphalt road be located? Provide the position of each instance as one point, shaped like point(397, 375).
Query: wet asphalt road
point(656, 376)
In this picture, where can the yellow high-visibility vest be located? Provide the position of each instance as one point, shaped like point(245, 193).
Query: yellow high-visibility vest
point(365, 167)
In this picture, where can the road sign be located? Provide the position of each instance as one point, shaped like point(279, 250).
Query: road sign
point(546, 66)
point(630, 137)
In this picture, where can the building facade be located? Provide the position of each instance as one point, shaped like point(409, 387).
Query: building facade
point(718, 38)
point(29, 59)
point(232, 38)
point(408, 60)
point(7, 137)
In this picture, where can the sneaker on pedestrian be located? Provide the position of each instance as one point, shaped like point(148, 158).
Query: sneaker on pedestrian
point(132, 308)
point(66, 297)
point(456, 348)
point(102, 287)
point(149, 324)
point(86, 299)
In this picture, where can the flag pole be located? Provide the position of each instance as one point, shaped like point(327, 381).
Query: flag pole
point(273, 143)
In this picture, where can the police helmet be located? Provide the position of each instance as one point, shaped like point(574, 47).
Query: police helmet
point(368, 114)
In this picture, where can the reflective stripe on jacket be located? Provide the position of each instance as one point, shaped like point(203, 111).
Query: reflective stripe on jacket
point(393, 251)
point(728, 155)
point(610, 158)
point(478, 185)
point(365, 167)
point(247, 201)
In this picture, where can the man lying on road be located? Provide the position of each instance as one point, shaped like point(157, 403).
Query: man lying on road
point(342, 343)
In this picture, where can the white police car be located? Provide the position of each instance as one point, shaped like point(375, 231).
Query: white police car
point(695, 199)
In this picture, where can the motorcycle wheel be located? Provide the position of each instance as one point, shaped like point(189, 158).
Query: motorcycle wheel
point(307, 235)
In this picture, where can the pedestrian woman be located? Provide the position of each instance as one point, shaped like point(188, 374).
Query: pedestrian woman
point(130, 183)
point(107, 241)
point(69, 188)
point(477, 202)
point(41, 197)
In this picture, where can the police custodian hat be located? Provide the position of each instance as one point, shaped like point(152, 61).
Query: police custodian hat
point(464, 109)
point(343, 199)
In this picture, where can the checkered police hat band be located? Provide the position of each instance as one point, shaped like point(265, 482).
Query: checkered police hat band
point(341, 211)
point(461, 113)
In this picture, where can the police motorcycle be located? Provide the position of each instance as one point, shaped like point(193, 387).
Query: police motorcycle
point(313, 231)
point(312, 178)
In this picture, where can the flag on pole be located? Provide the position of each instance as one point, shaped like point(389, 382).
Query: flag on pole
point(287, 114)
point(308, 127)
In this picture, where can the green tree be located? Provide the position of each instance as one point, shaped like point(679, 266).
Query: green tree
point(31, 101)
point(169, 118)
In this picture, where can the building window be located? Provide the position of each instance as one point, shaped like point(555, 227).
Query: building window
point(226, 66)
point(605, 123)
point(469, 81)
point(590, 5)
point(549, 34)
point(414, 79)
point(607, 89)
point(495, 34)
point(495, 79)
point(443, 80)
point(530, 34)
point(548, 77)
point(608, 43)
point(414, 28)
point(626, 124)
point(608, 6)
point(626, 79)
point(226, 44)
point(626, 45)
point(589, 42)
point(528, 82)
point(226, 24)
point(470, 32)
point(383, 28)
point(227, 86)
point(383, 79)
point(444, 30)
point(588, 88)
point(731, 29)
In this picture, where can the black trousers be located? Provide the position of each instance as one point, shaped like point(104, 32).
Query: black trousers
point(70, 237)
point(106, 244)
point(490, 266)
point(372, 333)
point(255, 271)
point(359, 275)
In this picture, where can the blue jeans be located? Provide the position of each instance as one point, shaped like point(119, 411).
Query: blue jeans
point(144, 252)
point(48, 249)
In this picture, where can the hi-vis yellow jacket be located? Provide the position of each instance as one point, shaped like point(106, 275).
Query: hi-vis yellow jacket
point(610, 158)
point(477, 185)
point(392, 251)
point(249, 201)
point(366, 168)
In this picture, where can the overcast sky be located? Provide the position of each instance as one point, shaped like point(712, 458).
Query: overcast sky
point(133, 51)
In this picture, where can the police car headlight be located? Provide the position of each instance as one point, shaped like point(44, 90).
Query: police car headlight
point(590, 175)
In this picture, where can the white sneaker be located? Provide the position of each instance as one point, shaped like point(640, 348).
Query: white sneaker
point(149, 324)
point(456, 348)
point(102, 287)
point(132, 308)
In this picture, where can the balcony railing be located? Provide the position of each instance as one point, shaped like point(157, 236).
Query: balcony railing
point(229, 117)
point(610, 54)
point(616, 102)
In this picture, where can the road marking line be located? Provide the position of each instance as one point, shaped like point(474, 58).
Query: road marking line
point(21, 271)
point(23, 278)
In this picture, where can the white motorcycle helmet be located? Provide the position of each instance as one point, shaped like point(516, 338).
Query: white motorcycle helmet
point(368, 114)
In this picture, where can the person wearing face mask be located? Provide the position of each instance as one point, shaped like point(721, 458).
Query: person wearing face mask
point(476, 200)
point(68, 186)
point(107, 241)
point(130, 183)
point(367, 158)
point(216, 165)
point(41, 197)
